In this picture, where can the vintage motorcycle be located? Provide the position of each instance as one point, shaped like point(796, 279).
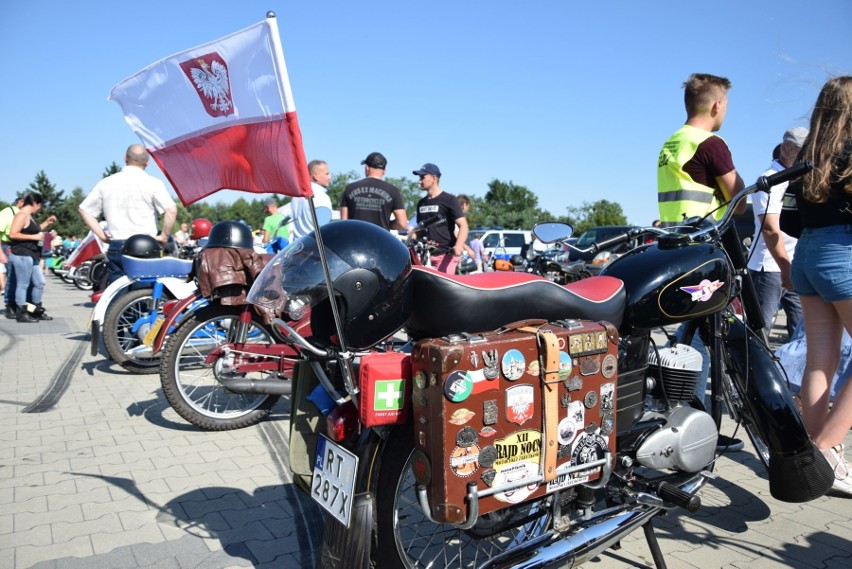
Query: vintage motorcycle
point(520, 423)
point(552, 264)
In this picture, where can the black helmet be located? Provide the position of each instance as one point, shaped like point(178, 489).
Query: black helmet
point(371, 274)
point(230, 234)
point(142, 247)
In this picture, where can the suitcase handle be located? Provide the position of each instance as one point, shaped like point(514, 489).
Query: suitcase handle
point(532, 322)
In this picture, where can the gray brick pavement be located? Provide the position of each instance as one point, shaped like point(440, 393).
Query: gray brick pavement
point(96, 471)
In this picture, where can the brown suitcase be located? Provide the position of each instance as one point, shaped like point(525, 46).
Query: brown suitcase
point(511, 415)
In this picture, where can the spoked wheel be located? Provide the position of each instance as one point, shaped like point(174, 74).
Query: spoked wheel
point(194, 388)
point(83, 276)
point(125, 325)
point(66, 276)
point(407, 539)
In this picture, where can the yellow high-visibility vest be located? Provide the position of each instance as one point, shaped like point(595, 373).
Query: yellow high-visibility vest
point(678, 195)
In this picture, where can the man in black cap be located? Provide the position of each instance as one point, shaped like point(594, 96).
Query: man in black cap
point(372, 199)
point(438, 203)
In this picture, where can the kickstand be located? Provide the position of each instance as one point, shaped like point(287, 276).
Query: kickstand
point(654, 545)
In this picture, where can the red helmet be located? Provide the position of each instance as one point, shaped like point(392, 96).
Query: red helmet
point(200, 228)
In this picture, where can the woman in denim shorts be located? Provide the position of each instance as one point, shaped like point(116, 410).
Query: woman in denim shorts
point(822, 270)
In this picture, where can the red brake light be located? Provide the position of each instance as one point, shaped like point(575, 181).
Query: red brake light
point(342, 422)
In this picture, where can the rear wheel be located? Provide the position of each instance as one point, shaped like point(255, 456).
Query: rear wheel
point(194, 388)
point(407, 539)
point(127, 320)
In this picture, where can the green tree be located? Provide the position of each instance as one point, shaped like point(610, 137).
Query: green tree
point(601, 212)
point(52, 198)
point(338, 184)
point(113, 168)
point(511, 206)
point(411, 193)
point(68, 220)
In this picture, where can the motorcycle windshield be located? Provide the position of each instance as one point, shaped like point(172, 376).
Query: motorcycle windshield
point(293, 280)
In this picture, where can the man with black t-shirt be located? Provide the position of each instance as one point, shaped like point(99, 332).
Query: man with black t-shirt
point(439, 203)
point(372, 199)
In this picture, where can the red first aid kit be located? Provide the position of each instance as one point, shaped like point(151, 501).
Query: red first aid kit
point(385, 380)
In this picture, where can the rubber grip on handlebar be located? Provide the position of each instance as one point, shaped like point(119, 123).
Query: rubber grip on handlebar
point(671, 493)
point(793, 172)
point(615, 240)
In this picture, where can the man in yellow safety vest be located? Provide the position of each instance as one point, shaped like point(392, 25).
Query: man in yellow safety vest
point(695, 170)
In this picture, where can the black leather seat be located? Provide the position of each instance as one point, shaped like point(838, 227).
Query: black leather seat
point(448, 304)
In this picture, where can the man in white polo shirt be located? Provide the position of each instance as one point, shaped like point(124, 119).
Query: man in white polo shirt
point(130, 202)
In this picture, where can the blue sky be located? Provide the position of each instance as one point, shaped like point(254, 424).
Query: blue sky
point(572, 100)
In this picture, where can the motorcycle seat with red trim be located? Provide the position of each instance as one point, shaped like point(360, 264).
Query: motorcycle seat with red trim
point(451, 304)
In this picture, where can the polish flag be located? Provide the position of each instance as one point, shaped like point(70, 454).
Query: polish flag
point(220, 116)
point(88, 248)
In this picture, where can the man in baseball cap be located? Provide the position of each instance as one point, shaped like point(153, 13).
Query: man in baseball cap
point(375, 160)
point(428, 169)
point(372, 199)
point(451, 234)
point(772, 249)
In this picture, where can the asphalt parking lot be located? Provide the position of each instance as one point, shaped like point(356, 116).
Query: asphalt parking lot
point(97, 471)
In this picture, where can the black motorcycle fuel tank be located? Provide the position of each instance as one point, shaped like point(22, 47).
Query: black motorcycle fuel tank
point(671, 282)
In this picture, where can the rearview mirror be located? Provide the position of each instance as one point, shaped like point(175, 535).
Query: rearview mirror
point(552, 231)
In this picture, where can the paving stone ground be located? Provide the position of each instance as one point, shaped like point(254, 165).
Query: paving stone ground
point(97, 471)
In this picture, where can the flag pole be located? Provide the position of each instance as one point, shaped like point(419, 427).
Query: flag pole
point(345, 356)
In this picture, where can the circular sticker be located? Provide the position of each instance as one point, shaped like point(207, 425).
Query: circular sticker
point(589, 449)
point(591, 399)
point(466, 437)
point(513, 365)
point(464, 460)
point(609, 366)
point(458, 386)
point(567, 431)
point(487, 456)
point(565, 364)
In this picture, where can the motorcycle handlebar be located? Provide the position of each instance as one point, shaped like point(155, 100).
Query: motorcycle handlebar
point(763, 184)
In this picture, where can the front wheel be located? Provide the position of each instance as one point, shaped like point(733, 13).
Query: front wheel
point(126, 322)
point(83, 276)
point(194, 388)
point(407, 539)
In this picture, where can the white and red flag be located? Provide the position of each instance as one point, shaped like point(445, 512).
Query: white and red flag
point(220, 116)
point(88, 248)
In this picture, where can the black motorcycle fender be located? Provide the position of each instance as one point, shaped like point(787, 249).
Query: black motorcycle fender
point(763, 386)
point(797, 470)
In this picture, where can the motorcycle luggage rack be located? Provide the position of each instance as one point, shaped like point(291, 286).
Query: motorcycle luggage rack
point(473, 492)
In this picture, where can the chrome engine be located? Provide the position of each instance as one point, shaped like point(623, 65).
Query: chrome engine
point(686, 437)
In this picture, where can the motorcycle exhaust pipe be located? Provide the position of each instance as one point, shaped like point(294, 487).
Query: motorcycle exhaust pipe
point(583, 541)
point(266, 387)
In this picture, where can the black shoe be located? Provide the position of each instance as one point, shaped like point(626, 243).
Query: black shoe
point(24, 316)
point(726, 443)
point(11, 312)
point(40, 314)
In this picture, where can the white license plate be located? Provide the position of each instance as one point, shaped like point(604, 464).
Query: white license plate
point(151, 335)
point(333, 483)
